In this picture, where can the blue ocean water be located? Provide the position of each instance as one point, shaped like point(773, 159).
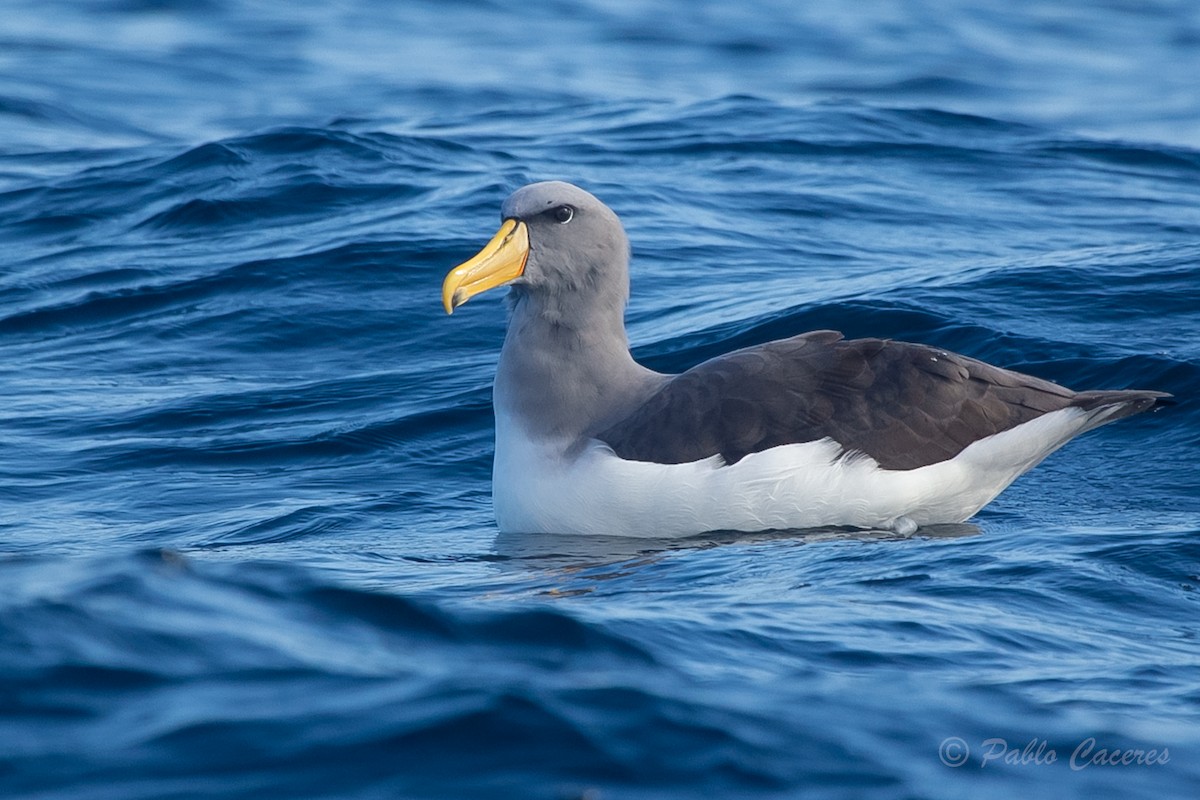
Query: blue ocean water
point(246, 542)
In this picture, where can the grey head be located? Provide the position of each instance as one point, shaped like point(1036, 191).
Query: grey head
point(578, 266)
point(565, 368)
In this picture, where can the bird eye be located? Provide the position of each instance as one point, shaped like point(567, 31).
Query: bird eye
point(564, 214)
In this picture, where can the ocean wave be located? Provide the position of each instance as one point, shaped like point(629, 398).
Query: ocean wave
point(246, 539)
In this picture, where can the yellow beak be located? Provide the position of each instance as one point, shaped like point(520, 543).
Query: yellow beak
point(500, 261)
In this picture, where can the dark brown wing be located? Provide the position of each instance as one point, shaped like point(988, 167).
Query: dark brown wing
point(905, 405)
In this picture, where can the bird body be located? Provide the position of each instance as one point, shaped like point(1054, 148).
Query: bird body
point(810, 431)
point(548, 486)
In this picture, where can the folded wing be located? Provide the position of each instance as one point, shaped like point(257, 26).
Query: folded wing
point(904, 405)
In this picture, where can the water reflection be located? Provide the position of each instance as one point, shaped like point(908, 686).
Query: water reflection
point(560, 551)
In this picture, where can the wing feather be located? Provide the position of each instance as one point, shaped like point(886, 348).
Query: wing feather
point(905, 405)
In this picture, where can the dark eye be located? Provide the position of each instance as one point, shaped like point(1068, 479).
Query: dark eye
point(564, 214)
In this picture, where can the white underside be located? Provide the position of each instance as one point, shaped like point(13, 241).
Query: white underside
point(538, 488)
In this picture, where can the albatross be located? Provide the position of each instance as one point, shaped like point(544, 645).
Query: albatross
point(806, 432)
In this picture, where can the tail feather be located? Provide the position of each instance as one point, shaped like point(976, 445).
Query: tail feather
point(1113, 404)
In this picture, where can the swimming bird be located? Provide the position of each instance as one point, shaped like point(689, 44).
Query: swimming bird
point(811, 431)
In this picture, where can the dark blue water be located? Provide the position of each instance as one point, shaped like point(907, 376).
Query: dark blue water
point(246, 544)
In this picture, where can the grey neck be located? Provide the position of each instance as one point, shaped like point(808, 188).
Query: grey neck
point(568, 375)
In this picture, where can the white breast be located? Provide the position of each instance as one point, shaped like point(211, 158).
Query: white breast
point(545, 487)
